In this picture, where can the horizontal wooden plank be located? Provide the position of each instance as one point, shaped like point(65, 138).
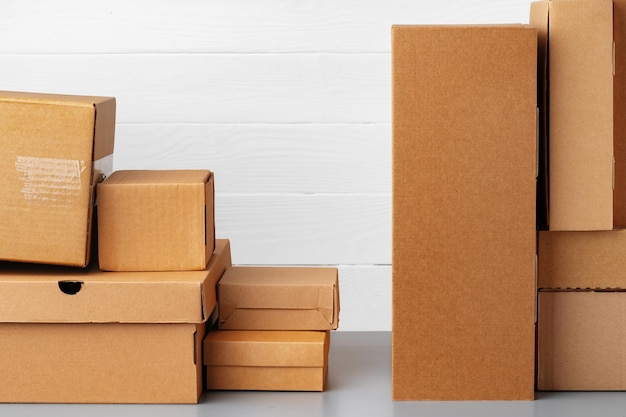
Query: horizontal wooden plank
point(309, 229)
point(283, 88)
point(69, 26)
point(365, 298)
point(265, 158)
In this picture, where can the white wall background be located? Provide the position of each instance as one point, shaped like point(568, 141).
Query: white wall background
point(287, 101)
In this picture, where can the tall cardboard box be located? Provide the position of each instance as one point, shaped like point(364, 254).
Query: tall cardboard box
point(464, 170)
point(576, 76)
point(86, 336)
point(156, 220)
point(580, 341)
point(54, 149)
point(266, 360)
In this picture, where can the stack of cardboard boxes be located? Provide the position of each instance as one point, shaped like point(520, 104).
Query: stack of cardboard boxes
point(274, 329)
point(581, 275)
point(472, 183)
point(127, 326)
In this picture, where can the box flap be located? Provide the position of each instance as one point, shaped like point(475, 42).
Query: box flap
point(279, 298)
point(266, 348)
point(53, 294)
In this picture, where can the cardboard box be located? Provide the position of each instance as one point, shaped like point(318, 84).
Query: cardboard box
point(464, 240)
point(266, 360)
point(156, 220)
point(581, 341)
point(278, 298)
point(86, 336)
point(55, 149)
point(577, 76)
point(582, 259)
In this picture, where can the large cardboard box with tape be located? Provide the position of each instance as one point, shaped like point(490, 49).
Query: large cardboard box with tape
point(54, 149)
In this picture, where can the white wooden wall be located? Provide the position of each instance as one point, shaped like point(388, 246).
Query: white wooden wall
point(287, 101)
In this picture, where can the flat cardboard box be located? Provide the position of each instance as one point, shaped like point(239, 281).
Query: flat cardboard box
point(55, 148)
point(581, 341)
point(577, 112)
point(278, 298)
point(582, 259)
point(87, 336)
point(266, 360)
point(464, 240)
point(156, 220)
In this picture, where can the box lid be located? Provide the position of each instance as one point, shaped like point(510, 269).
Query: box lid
point(266, 348)
point(279, 298)
point(32, 293)
point(152, 177)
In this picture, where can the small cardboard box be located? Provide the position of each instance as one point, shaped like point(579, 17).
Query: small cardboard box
point(464, 190)
point(582, 259)
point(156, 220)
point(580, 341)
point(266, 360)
point(55, 148)
point(576, 92)
point(278, 298)
point(87, 336)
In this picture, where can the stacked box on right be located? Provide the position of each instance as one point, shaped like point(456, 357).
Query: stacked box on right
point(581, 276)
point(581, 305)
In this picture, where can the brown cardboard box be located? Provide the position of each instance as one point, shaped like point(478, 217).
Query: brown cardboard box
point(266, 360)
point(55, 149)
point(156, 220)
point(582, 259)
point(278, 298)
point(87, 336)
point(581, 341)
point(464, 240)
point(578, 78)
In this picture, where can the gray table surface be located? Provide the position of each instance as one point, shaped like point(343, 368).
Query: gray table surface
point(359, 384)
